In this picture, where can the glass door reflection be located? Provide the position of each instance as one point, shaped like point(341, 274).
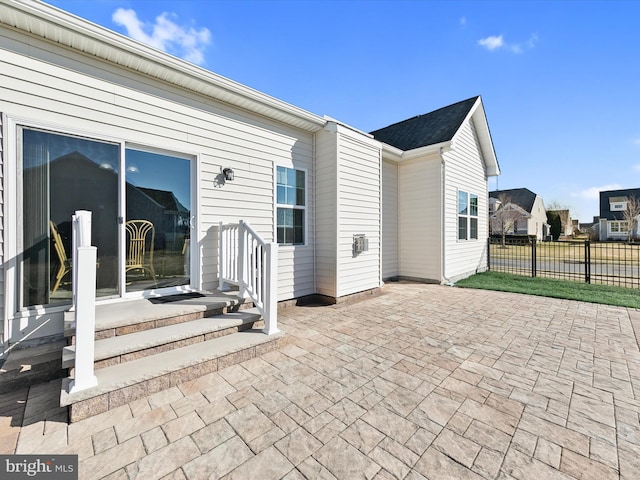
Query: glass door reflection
point(157, 223)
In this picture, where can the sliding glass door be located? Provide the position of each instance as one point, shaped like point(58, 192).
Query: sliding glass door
point(140, 217)
point(158, 219)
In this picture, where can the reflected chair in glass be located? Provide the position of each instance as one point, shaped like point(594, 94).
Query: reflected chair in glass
point(64, 262)
point(139, 257)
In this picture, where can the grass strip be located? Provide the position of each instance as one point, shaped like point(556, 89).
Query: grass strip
point(549, 287)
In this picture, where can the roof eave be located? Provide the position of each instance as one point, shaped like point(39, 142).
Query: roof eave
point(479, 118)
point(55, 25)
point(396, 154)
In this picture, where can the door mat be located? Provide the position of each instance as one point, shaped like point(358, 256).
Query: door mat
point(176, 298)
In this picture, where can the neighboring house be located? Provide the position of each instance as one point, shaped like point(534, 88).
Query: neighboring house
point(613, 205)
point(531, 218)
point(569, 225)
point(97, 121)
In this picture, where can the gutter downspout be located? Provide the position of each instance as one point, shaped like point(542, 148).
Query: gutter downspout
point(444, 279)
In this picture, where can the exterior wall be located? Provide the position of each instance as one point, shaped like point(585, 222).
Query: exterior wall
point(48, 86)
point(359, 211)
point(535, 224)
point(2, 286)
point(390, 223)
point(326, 209)
point(420, 218)
point(464, 170)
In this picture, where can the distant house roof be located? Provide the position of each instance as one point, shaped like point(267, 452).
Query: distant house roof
point(614, 196)
point(519, 196)
point(165, 198)
point(428, 129)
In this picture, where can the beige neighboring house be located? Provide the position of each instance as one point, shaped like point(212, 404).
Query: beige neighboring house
point(533, 215)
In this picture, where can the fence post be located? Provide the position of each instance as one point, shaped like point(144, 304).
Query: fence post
point(587, 261)
point(534, 260)
point(489, 253)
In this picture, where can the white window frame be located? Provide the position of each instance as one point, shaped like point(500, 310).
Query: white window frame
point(468, 216)
point(616, 227)
point(11, 126)
point(304, 207)
point(618, 206)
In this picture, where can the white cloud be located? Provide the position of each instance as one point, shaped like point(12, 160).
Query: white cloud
point(492, 42)
point(496, 42)
point(186, 42)
point(463, 21)
point(637, 167)
point(593, 193)
point(637, 141)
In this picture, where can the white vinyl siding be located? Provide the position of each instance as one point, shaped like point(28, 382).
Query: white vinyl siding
point(84, 96)
point(420, 212)
point(464, 171)
point(326, 208)
point(359, 212)
point(2, 285)
point(348, 204)
point(390, 258)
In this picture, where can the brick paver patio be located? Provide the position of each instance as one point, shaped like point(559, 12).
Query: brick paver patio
point(424, 381)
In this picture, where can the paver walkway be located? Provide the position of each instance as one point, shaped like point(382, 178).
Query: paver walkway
point(423, 381)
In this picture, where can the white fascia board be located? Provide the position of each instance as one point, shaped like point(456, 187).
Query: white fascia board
point(55, 25)
point(397, 155)
point(479, 118)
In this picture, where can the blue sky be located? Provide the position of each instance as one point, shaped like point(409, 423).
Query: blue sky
point(559, 79)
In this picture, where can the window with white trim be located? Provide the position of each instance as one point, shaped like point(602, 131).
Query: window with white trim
point(467, 216)
point(291, 206)
point(618, 227)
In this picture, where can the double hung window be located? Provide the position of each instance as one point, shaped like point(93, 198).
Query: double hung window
point(467, 216)
point(291, 206)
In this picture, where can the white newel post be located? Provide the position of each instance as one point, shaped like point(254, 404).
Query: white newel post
point(84, 288)
point(271, 293)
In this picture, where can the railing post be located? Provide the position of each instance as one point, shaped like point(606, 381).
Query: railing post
point(271, 290)
point(534, 260)
point(242, 266)
point(84, 299)
point(222, 258)
point(587, 261)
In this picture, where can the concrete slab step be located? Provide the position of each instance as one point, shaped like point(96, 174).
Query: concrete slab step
point(123, 348)
point(113, 319)
point(30, 366)
point(122, 383)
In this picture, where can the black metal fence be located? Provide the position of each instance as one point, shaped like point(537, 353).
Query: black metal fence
point(607, 263)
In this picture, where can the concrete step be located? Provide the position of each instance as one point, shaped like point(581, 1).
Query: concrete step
point(113, 319)
point(30, 366)
point(122, 383)
point(124, 348)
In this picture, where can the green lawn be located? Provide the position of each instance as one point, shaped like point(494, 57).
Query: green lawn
point(545, 287)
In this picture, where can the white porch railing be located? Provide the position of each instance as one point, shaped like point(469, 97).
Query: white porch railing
point(249, 262)
point(84, 301)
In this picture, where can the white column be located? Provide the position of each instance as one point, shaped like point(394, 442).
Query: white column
point(85, 319)
point(271, 293)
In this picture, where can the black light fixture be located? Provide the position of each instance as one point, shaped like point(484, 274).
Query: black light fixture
point(228, 174)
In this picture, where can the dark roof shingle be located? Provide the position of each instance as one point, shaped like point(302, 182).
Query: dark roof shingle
point(428, 129)
point(523, 197)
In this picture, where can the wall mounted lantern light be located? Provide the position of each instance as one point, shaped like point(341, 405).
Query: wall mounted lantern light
point(228, 174)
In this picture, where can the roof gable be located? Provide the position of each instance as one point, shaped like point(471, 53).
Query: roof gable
point(523, 197)
point(429, 129)
point(608, 196)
